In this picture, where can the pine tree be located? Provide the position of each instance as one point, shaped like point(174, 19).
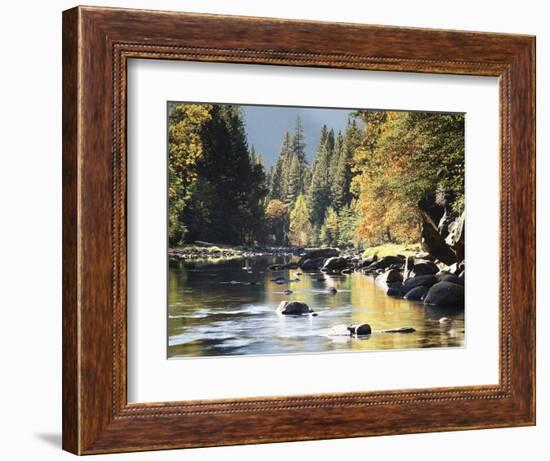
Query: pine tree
point(253, 157)
point(298, 141)
point(348, 218)
point(329, 229)
point(277, 184)
point(319, 195)
point(224, 207)
point(293, 179)
point(341, 186)
point(300, 225)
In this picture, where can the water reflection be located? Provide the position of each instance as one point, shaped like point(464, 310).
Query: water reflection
point(228, 308)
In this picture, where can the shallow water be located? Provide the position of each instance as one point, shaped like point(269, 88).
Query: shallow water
point(208, 315)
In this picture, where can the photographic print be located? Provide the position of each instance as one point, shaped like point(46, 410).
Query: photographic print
point(313, 230)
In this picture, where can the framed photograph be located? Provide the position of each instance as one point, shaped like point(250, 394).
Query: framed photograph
point(264, 230)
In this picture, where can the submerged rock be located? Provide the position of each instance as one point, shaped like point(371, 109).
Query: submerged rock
point(401, 330)
point(293, 308)
point(332, 290)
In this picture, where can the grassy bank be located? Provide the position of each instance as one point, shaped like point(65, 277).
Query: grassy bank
point(392, 249)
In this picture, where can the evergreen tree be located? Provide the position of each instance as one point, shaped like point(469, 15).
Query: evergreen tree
point(223, 207)
point(277, 184)
point(319, 196)
point(329, 229)
point(253, 157)
point(300, 225)
point(298, 141)
point(348, 219)
point(293, 182)
point(341, 186)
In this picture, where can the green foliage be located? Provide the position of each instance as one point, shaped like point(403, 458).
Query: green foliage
point(330, 228)
point(341, 185)
point(276, 214)
point(319, 194)
point(300, 225)
point(186, 122)
point(405, 157)
point(223, 200)
point(348, 220)
point(362, 189)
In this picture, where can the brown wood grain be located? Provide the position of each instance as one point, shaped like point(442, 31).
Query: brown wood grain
point(97, 43)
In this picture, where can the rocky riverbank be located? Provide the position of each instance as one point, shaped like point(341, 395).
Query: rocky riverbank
point(198, 252)
point(434, 276)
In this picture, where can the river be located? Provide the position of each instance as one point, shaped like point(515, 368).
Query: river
point(211, 315)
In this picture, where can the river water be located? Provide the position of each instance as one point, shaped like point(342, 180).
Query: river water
point(211, 315)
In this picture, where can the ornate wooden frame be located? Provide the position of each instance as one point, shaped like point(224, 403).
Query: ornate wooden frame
point(97, 43)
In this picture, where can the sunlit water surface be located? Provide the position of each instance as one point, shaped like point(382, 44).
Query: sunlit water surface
point(210, 316)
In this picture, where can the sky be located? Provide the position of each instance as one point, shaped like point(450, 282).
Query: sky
point(266, 126)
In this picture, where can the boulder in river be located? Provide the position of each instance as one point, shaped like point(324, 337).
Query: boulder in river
point(445, 294)
point(293, 308)
point(363, 329)
point(390, 276)
point(424, 267)
point(419, 280)
point(332, 290)
point(336, 263)
point(417, 293)
point(387, 261)
point(367, 261)
point(319, 253)
point(450, 278)
point(311, 264)
point(395, 290)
